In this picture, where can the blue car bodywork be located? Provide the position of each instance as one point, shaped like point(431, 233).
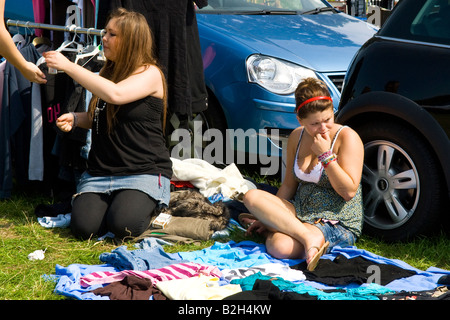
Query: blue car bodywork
point(323, 43)
point(19, 10)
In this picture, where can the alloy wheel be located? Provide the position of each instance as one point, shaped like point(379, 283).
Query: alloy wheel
point(391, 185)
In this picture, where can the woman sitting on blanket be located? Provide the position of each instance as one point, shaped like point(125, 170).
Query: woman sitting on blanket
point(319, 204)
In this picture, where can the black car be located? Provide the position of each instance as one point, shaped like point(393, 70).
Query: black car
point(397, 97)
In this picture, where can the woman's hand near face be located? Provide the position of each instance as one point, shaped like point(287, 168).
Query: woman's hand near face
point(321, 143)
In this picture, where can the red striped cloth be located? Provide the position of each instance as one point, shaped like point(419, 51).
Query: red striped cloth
point(171, 272)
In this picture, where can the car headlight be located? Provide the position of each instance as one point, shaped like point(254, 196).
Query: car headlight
point(276, 75)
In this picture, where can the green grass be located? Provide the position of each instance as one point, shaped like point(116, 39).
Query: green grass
point(21, 234)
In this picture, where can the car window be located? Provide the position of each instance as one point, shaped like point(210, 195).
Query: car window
point(420, 20)
point(256, 6)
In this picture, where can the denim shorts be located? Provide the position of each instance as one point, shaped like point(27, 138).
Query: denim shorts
point(337, 235)
point(156, 186)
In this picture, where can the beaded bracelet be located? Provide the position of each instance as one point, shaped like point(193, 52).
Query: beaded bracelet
point(325, 155)
point(75, 120)
point(326, 162)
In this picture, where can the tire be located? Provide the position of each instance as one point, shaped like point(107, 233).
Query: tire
point(401, 182)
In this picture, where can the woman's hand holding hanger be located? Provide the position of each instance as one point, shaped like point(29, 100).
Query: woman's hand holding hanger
point(56, 60)
point(32, 73)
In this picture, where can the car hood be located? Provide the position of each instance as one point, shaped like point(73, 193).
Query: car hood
point(323, 42)
point(19, 10)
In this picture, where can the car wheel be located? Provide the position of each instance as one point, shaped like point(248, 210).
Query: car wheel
point(401, 183)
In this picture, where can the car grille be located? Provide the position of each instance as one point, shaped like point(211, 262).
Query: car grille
point(338, 80)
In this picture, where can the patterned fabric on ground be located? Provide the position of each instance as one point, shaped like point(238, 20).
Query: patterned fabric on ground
point(175, 271)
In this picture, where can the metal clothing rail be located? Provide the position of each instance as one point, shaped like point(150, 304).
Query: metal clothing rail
point(72, 28)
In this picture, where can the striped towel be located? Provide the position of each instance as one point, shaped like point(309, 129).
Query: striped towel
point(171, 272)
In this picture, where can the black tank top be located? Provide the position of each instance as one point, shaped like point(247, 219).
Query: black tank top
point(136, 144)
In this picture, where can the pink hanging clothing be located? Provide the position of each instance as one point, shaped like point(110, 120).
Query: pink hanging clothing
point(39, 14)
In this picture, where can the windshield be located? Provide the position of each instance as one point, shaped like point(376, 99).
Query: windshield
point(263, 6)
point(426, 21)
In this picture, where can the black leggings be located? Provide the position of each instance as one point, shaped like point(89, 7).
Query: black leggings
point(124, 213)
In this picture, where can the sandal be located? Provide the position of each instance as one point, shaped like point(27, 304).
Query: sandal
point(315, 260)
point(243, 216)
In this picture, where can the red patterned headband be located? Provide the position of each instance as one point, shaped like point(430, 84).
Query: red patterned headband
point(311, 100)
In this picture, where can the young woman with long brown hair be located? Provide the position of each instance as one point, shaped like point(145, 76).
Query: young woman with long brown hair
point(319, 204)
point(129, 167)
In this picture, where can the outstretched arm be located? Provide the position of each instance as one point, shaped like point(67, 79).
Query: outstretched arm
point(10, 52)
point(143, 82)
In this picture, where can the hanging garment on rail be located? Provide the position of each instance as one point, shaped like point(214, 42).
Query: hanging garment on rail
point(15, 124)
point(174, 26)
point(62, 95)
point(32, 148)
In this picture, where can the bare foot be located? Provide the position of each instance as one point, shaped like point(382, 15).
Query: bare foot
point(312, 259)
point(313, 245)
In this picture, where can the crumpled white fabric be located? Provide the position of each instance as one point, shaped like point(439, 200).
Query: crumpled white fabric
point(210, 179)
point(37, 255)
point(200, 287)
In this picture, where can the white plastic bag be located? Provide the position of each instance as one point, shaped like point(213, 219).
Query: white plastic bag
point(37, 255)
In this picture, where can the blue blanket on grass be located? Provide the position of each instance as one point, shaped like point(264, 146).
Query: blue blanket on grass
point(244, 254)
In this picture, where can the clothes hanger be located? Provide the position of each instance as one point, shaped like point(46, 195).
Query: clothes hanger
point(90, 51)
point(95, 50)
point(18, 39)
point(37, 41)
point(66, 45)
point(28, 36)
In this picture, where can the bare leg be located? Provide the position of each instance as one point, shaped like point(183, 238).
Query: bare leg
point(288, 237)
